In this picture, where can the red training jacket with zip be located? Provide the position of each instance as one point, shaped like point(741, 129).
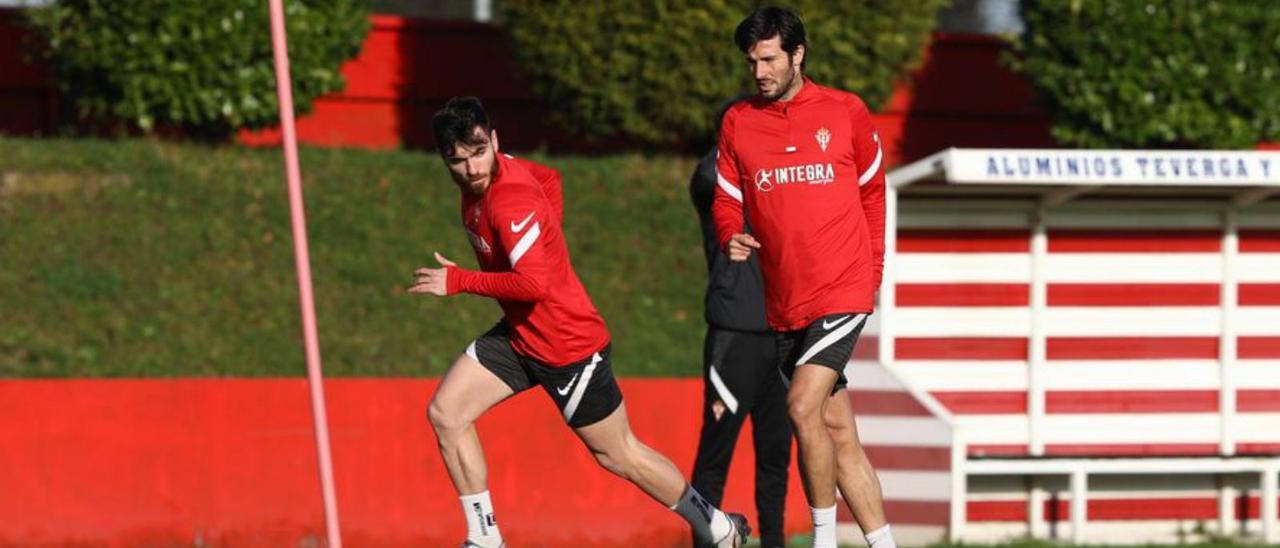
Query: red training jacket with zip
point(524, 264)
point(809, 172)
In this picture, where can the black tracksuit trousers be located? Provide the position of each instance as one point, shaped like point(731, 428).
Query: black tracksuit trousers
point(740, 374)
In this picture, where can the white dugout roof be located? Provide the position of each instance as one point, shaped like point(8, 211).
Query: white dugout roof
point(1054, 176)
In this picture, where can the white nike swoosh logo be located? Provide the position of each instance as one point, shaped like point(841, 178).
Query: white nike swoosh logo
point(519, 227)
point(565, 391)
point(828, 325)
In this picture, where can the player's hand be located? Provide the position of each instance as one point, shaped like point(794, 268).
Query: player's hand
point(740, 246)
point(433, 281)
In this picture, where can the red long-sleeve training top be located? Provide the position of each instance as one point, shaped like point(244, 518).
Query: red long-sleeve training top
point(809, 172)
point(524, 264)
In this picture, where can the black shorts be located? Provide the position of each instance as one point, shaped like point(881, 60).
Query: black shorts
point(828, 342)
point(584, 391)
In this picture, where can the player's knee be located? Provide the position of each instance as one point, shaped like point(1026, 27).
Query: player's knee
point(443, 419)
point(607, 463)
point(611, 462)
point(840, 432)
point(804, 413)
point(622, 461)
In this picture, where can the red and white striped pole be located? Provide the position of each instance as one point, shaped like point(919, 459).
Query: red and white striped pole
point(302, 260)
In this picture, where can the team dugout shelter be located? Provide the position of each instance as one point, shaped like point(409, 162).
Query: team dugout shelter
point(1077, 344)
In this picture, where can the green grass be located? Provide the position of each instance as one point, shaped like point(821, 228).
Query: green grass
point(141, 258)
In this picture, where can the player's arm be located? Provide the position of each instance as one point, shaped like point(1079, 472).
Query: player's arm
point(520, 220)
point(727, 206)
point(869, 157)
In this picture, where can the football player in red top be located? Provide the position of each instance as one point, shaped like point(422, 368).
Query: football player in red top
point(805, 163)
point(550, 335)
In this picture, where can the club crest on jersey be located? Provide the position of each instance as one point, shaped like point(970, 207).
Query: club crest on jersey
point(813, 174)
point(824, 137)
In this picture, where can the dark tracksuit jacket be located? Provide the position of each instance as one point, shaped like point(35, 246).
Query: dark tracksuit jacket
point(740, 374)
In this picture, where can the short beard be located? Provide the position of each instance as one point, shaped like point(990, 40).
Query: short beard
point(493, 174)
point(783, 89)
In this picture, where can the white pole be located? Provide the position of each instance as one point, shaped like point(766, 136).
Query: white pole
point(1036, 496)
point(959, 488)
point(1079, 505)
point(1036, 351)
point(1226, 506)
point(302, 261)
point(1268, 510)
point(1227, 341)
point(483, 10)
point(888, 287)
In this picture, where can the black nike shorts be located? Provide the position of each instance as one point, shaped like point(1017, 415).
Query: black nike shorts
point(585, 391)
point(828, 342)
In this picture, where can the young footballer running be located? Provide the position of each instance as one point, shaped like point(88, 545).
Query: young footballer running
point(550, 335)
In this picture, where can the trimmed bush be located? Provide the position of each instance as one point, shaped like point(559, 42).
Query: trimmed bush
point(655, 72)
point(1156, 74)
point(205, 67)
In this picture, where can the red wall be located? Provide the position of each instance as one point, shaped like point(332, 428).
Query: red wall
point(406, 70)
point(963, 95)
point(232, 462)
point(28, 101)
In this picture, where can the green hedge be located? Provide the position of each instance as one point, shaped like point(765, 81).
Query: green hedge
point(1169, 73)
point(205, 67)
point(654, 72)
point(141, 258)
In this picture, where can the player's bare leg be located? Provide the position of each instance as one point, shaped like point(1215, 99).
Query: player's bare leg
point(466, 392)
point(617, 449)
point(806, 401)
point(854, 473)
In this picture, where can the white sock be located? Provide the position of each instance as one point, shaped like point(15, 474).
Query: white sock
point(709, 524)
point(881, 538)
point(482, 528)
point(824, 527)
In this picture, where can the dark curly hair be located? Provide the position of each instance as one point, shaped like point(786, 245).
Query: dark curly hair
point(456, 122)
point(767, 22)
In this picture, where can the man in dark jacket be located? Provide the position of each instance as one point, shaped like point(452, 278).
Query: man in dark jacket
point(740, 374)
